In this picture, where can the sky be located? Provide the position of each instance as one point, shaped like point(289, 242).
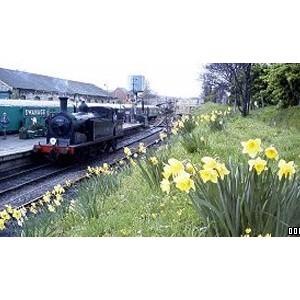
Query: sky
point(104, 42)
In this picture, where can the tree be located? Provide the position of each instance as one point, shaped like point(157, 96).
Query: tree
point(283, 84)
point(232, 78)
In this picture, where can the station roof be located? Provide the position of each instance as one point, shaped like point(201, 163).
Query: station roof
point(36, 82)
point(4, 87)
point(30, 103)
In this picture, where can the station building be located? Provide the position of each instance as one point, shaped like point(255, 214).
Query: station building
point(23, 85)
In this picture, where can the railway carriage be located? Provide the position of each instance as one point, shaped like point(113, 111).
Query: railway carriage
point(22, 112)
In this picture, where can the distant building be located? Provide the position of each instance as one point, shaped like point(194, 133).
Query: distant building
point(24, 85)
point(121, 94)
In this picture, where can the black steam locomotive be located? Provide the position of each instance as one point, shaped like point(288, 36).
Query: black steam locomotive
point(89, 130)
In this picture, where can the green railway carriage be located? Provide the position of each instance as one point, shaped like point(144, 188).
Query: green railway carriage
point(23, 113)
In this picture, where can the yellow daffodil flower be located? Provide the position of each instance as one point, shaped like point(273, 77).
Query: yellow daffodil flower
point(248, 230)
point(167, 171)
point(190, 168)
point(252, 147)
point(33, 210)
point(9, 209)
point(258, 164)
point(271, 153)
point(209, 162)
point(47, 197)
point(176, 166)
point(222, 170)
point(17, 214)
point(58, 189)
point(174, 131)
point(209, 175)
point(5, 215)
point(184, 182)
point(142, 148)
point(165, 185)
point(286, 169)
point(127, 151)
point(2, 224)
point(105, 167)
point(51, 208)
point(68, 183)
point(153, 160)
point(162, 136)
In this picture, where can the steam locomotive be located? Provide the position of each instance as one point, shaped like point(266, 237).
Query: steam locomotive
point(93, 128)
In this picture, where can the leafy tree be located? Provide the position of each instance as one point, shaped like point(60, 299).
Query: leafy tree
point(231, 78)
point(283, 84)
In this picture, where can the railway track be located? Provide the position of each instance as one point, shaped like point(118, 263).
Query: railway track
point(29, 185)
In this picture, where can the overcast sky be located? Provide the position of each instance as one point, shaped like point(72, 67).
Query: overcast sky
point(104, 42)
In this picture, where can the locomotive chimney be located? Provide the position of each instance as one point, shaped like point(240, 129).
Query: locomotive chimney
point(63, 104)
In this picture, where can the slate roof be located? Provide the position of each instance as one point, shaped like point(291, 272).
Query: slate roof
point(36, 82)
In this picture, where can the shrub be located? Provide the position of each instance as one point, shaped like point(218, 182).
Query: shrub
point(193, 142)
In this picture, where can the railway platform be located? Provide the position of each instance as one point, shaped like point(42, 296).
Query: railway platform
point(13, 145)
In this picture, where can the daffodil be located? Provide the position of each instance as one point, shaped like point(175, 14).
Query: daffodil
point(167, 171)
point(142, 148)
point(209, 174)
point(184, 182)
point(165, 185)
point(248, 230)
point(5, 215)
point(174, 131)
point(180, 124)
point(162, 136)
point(176, 166)
point(47, 197)
point(222, 170)
point(252, 147)
point(33, 210)
point(17, 214)
point(209, 162)
point(68, 183)
point(132, 162)
point(258, 164)
point(127, 151)
point(9, 208)
point(286, 169)
point(51, 208)
point(153, 160)
point(271, 153)
point(2, 224)
point(190, 168)
point(105, 167)
point(58, 189)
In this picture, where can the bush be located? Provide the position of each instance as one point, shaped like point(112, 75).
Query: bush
point(193, 142)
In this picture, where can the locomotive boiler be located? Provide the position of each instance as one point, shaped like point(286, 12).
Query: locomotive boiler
point(92, 128)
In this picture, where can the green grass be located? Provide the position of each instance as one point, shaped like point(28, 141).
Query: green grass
point(136, 209)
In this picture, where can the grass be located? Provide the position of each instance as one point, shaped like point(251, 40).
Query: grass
point(136, 209)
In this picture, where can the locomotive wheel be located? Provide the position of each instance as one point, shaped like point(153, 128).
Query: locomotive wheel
point(114, 145)
point(107, 147)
